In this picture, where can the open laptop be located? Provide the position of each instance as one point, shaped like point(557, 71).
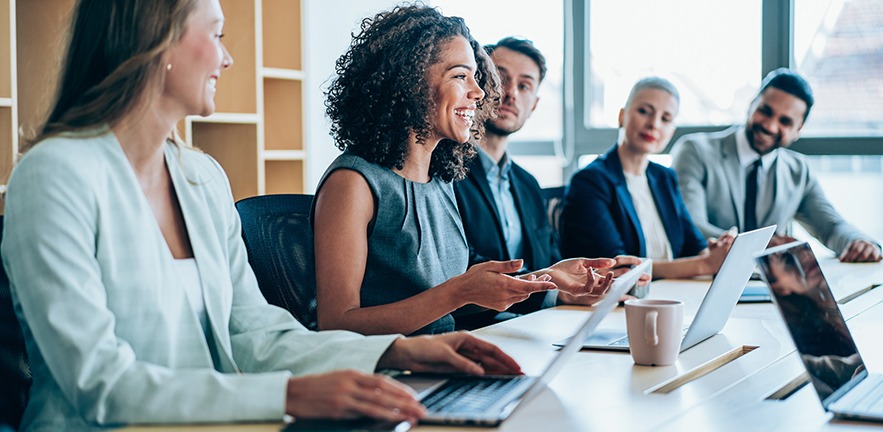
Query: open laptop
point(820, 334)
point(718, 302)
point(489, 400)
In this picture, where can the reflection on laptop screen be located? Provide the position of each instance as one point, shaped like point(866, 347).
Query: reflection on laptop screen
point(813, 319)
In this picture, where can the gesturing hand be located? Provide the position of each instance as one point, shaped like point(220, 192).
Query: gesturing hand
point(449, 352)
point(487, 285)
point(351, 394)
point(576, 277)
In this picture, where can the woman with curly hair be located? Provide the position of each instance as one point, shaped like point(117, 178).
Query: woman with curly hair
point(411, 95)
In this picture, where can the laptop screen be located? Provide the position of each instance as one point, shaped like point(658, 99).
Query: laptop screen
point(808, 307)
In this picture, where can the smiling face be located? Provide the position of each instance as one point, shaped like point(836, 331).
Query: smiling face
point(455, 91)
point(196, 62)
point(648, 122)
point(520, 78)
point(774, 120)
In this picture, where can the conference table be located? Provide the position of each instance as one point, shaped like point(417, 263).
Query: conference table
point(747, 377)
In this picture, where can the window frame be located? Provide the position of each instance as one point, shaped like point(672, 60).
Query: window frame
point(578, 139)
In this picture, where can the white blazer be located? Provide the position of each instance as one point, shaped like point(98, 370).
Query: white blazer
point(111, 336)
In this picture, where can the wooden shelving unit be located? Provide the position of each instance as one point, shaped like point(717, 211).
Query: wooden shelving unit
point(258, 137)
point(257, 133)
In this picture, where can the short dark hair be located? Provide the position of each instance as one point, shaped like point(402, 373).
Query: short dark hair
point(789, 82)
point(523, 46)
point(381, 94)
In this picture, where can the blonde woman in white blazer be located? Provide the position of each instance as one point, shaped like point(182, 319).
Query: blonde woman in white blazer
point(128, 272)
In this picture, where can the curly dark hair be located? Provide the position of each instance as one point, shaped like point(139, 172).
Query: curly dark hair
point(381, 93)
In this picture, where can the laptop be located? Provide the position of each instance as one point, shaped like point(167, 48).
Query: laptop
point(826, 347)
point(488, 400)
point(718, 303)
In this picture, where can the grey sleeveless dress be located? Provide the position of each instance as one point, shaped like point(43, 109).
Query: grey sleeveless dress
point(416, 241)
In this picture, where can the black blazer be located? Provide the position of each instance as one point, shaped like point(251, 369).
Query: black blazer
point(599, 217)
point(484, 232)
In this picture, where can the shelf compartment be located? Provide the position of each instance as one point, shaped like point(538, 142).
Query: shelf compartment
point(284, 177)
point(41, 31)
point(7, 135)
point(282, 34)
point(234, 94)
point(5, 50)
point(283, 115)
point(234, 146)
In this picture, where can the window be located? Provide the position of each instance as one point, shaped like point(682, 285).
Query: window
point(838, 46)
point(542, 23)
point(537, 146)
point(710, 51)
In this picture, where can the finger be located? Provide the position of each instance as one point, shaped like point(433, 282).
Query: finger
point(388, 398)
point(619, 271)
point(847, 254)
point(599, 262)
point(371, 408)
point(522, 286)
point(492, 358)
point(503, 266)
point(867, 252)
point(627, 260)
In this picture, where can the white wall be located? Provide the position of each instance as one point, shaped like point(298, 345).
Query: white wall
point(328, 26)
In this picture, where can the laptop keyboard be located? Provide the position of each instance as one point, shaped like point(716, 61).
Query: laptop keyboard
point(872, 400)
point(624, 341)
point(469, 395)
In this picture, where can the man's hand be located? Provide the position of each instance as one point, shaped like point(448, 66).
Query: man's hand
point(449, 352)
point(577, 276)
point(861, 251)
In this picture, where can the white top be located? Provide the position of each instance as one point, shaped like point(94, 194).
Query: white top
point(747, 156)
point(655, 239)
point(188, 277)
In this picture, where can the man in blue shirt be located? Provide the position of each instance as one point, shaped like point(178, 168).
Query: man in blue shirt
point(501, 204)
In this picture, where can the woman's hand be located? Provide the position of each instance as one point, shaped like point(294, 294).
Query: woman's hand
point(487, 285)
point(717, 251)
point(450, 352)
point(351, 394)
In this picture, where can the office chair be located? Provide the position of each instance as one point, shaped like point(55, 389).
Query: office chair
point(554, 200)
point(14, 368)
point(279, 240)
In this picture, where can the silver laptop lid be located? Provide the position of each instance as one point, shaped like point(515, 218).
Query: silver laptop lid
point(620, 286)
point(727, 286)
point(804, 298)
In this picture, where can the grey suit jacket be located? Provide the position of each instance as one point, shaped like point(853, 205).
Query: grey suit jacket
point(111, 336)
point(713, 185)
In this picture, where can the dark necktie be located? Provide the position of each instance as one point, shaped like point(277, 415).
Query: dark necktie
point(751, 197)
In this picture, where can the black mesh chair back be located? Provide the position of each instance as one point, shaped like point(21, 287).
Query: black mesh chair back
point(554, 199)
point(15, 370)
point(279, 239)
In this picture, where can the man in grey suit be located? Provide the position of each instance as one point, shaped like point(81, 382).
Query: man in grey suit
point(746, 176)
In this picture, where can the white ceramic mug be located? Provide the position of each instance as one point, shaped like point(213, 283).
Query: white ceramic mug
point(655, 328)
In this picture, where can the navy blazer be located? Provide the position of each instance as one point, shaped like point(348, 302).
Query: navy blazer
point(484, 231)
point(599, 217)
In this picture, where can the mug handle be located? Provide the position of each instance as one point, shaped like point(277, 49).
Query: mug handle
point(650, 335)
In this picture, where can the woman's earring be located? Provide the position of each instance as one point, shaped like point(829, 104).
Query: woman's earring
point(169, 67)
